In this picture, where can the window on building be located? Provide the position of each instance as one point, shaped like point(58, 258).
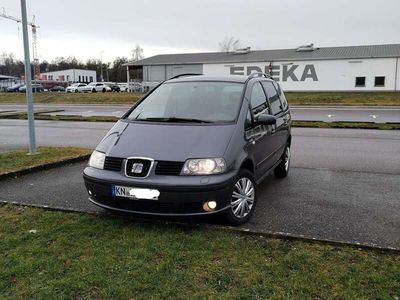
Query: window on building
point(91, 78)
point(50, 77)
point(67, 77)
point(380, 81)
point(86, 78)
point(360, 81)
point(79, 78)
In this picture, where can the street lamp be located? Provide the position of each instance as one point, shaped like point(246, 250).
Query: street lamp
point(101, 65)
point(28, 80)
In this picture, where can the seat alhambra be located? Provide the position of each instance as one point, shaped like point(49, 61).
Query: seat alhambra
point(194, 145)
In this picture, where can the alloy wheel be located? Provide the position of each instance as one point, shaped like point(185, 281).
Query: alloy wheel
point(242, 197)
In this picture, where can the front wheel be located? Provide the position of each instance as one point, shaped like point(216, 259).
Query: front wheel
point(243, 199)
point(282, 170)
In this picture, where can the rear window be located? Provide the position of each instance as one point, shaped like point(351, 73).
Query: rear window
point(201, 100)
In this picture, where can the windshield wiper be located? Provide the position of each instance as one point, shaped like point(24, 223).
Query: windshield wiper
point(175, 120)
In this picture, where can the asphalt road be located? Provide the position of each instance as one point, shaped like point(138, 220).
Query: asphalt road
point(301, 113)
point(343, 185)
point(334, 149)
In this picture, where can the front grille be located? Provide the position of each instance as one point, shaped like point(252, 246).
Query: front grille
point(113, 163)
point(138, 167)
point(172, 168)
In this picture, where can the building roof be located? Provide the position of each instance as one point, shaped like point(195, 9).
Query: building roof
point(5, 77)
point(323, 53)
point(65, 70)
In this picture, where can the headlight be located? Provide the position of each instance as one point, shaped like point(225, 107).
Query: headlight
point(97, 160)
point(204, 166)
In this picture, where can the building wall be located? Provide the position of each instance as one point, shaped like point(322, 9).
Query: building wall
point(163, 72)
point(319, 75)
point(71, 75)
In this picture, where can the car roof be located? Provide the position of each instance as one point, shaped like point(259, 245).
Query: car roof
point(232, 78)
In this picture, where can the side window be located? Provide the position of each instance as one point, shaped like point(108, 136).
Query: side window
point(281, 95)
point(273, 97)
point(258, 100)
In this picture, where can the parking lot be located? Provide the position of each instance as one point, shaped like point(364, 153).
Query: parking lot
point(343, 185)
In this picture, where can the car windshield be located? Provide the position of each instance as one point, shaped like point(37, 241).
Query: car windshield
point(201, 101)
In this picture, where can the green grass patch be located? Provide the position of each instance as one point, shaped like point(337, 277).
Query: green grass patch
point(354, 125)
point(294, 98)
point(344, 98)
point(19, 160)
point(311, 124)
point(47, 254)
point(72, 98)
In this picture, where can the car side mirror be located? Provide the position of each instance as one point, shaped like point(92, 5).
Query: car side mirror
point(265, 119)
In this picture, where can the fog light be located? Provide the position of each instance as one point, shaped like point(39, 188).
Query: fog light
point(90, 192)
point(209, 206)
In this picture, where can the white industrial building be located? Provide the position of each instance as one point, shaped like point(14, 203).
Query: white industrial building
point(70, 75)
point(306, 68)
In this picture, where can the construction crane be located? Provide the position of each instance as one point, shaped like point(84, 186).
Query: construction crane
point(36, 66)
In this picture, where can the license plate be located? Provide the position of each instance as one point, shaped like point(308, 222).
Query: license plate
point(135, 193)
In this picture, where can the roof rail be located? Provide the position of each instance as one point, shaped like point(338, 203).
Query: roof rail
point(185, 74)
point(259, 74)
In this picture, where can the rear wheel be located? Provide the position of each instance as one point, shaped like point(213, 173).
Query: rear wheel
point(282, 170)
point(104, 90)
point(243, 199)
point(94, 91)
point(76, 90)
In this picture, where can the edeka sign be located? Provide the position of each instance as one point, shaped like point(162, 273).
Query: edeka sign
point(280, 72)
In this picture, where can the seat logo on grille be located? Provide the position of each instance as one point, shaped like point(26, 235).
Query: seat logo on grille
point(137, 168)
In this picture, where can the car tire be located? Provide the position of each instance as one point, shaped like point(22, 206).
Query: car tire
point(243, 199)
point(282, 170)
point(104, 90)
point(94, 91)
point(76, 90)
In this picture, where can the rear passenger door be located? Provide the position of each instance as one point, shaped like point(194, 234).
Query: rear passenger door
point(281, 112)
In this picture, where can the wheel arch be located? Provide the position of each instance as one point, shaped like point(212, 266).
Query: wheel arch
point(248, 164)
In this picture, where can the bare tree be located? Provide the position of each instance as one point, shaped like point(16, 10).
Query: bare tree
point(229, 44)
point(137, 53)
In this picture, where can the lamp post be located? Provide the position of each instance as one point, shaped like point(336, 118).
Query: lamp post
point(101, 65)
point(28, 81)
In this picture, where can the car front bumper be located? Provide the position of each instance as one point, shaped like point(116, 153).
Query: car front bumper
point(179, 195)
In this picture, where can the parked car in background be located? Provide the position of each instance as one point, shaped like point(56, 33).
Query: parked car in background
point(75, 87)
point(14, 88)
point(114, 87)
point(96, 87)
point(57, 88)
point(36, 88)
point(123, 87)
point(194, 145)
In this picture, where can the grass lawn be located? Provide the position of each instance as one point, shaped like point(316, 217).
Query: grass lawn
point(72, 98)
point(17, 160)
point(51, 254)
point(294, 98)
point(343, 98)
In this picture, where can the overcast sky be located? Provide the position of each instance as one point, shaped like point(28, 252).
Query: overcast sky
point(84, 28)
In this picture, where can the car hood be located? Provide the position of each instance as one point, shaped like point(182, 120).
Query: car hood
point(161, 141)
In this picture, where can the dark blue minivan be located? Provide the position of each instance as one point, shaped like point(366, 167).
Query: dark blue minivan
point(194, 145)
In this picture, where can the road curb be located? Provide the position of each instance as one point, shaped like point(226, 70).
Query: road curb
point(242, 231)
point(45, 166)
